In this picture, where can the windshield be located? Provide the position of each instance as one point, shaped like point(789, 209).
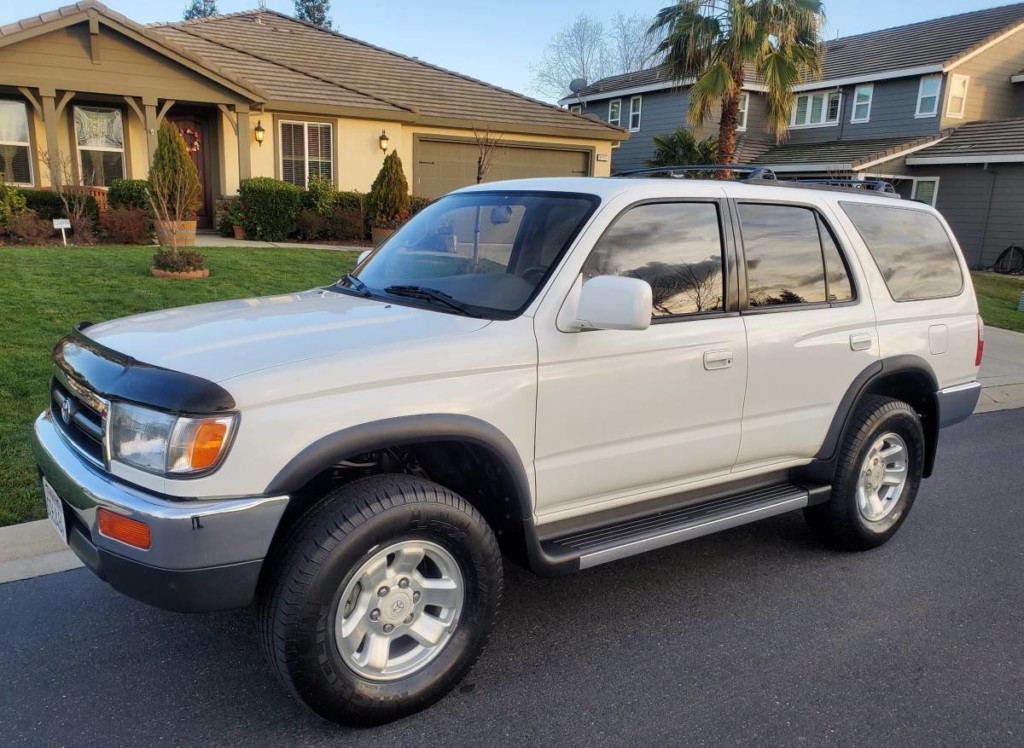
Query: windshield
point(477, 253)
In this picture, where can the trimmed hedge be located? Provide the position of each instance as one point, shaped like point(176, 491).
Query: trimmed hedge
point(418, 203)
point(271, 208)
point(129, 193)
point(48, 205)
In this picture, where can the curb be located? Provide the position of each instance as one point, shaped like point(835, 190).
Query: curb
point(33, 549)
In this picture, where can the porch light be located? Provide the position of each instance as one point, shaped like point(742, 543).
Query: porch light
point(384, 141)
point(260, 131)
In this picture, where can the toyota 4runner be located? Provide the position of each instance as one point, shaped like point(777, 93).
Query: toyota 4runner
point(563, 372)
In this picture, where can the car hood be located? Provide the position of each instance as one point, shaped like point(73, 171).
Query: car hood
point(229, 338)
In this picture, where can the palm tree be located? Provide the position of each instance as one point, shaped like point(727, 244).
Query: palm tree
point(681, 148)
point(717, 43)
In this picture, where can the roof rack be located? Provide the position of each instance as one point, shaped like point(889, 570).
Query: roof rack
point(877, 185)
point(747, 173)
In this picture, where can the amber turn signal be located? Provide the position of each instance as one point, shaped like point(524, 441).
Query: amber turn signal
point(207, 444)
point(128, 531)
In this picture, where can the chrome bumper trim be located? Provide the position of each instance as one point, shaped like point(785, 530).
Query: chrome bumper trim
point(185, 534)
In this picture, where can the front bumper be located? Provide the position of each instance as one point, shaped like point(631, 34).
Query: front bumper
point(205, 554)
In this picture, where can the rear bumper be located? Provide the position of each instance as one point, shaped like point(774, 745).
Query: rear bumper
point(205, 555)
point(957, 403)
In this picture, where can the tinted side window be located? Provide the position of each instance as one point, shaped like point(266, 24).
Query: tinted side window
point(911, 248)
point(837, 277)
point(784, 263)
point(676, 247)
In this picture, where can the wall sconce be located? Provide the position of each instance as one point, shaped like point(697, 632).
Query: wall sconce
point(383, 140)
point(260, 131)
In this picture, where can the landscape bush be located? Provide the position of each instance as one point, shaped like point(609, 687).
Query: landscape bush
point(127, 224)
point(310, 225)
point(180, 261)
point(418, 203)
point(129, 193)
point(48, 205)
point(345, 224)
point(29, 228)
point(387, 202)
point(83, 229)
point(271, 208)
point(12, 203)
point(319, 196)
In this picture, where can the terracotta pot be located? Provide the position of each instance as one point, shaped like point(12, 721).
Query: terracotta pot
point(185, 231)
point(158, 273)
point(379, 235)
point(239, 232)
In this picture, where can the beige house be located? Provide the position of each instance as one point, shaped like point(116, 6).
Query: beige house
point(259, 93)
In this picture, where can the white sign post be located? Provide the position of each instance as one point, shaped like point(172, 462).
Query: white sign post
point(62, 224)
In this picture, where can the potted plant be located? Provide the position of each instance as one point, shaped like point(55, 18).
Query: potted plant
point(387, 203)
point(233, 211)
point(174, 189)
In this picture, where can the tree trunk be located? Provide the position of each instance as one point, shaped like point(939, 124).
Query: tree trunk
point(729, 122)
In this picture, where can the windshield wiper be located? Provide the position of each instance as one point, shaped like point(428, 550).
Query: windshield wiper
point(431, 294)
point(357, 285)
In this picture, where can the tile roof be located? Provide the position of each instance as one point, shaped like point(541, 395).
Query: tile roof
point(842, 153)
point(977, 140)
point(350, 71)
point(935, 42)
point(280, 59)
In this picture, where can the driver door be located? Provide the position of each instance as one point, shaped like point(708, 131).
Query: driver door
point(628, 415)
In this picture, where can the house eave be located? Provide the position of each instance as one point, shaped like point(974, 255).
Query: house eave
point(981, 158)
point(869, 77)
point(648, 88)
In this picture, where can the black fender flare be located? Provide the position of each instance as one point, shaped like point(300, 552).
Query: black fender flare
point(403, 430)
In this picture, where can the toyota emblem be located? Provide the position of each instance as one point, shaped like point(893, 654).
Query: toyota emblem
point(398, 606)
point(65, 411)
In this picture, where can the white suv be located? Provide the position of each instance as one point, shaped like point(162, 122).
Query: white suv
point(563, 372)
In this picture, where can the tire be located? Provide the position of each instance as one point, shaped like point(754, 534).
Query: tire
point(358, 537)
point(867, 505)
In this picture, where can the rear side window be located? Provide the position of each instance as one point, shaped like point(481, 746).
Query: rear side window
point(837, 277)
point(676, 247)
point(910, 248)
point(784, 259)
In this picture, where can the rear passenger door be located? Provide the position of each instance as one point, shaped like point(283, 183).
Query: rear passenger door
point(810, 330)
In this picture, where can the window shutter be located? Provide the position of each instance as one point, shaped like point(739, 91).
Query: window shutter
point(293, 153)
point(320, 151)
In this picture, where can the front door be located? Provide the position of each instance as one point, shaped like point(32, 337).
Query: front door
point(195, 130)
point(626, 415)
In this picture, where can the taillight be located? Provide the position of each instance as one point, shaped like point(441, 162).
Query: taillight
point(981, 342)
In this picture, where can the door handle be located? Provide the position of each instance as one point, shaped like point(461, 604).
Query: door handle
point(860, 341)
point(717, 360)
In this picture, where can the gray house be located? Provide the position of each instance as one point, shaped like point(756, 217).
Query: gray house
point(896, 104)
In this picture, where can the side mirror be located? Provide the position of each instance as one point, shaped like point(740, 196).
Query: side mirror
point(614, 302)
point(363, 255)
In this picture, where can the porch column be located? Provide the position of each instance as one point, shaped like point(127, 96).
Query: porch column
point(244, 144)
point(152, 125)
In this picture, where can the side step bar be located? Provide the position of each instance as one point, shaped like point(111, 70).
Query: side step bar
point(620, 540)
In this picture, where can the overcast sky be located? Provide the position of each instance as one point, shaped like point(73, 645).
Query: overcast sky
point(497, 41)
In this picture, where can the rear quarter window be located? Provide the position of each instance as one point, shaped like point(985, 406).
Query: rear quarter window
point(911, 248)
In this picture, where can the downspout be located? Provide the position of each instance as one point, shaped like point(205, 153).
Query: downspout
point(988, 213)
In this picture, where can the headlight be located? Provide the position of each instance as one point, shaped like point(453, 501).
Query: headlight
point(166, 444)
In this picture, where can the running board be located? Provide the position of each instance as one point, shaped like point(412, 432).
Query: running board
point(620, 540)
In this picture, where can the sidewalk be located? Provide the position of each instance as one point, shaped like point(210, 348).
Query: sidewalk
point(216, 240)
point(33, 549)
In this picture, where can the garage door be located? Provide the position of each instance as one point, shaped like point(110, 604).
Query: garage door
point(442, 166)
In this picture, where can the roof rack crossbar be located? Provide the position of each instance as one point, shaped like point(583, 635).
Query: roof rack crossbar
point(749, 173)
point(876, 185)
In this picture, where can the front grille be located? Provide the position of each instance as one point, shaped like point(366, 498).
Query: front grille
point(79, 416)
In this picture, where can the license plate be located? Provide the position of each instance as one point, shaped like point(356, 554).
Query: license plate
point(55, 510)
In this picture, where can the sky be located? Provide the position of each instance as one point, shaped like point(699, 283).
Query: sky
point(498, 41)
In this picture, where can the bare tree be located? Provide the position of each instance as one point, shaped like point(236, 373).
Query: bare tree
point(632, 47)
point(489, 148)
point(578, 50)
point(75, 197)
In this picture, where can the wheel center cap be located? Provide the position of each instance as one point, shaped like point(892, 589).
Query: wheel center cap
point(396, 606)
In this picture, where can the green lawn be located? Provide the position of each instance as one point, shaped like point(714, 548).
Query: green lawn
point(998, 297)
point(44, 291)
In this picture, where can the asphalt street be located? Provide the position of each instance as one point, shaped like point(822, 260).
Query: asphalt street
point(754, 636)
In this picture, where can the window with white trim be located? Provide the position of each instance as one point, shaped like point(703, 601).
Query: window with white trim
point(928, 96)
point(307, 151)
point(99, 133)
point(634, 113)
point(576, 109)
point(615, 112)
point(957, 102)
point(816, 109)
point(926, 190)
point(15, 148)
point(862, 96)
point(741, 122)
